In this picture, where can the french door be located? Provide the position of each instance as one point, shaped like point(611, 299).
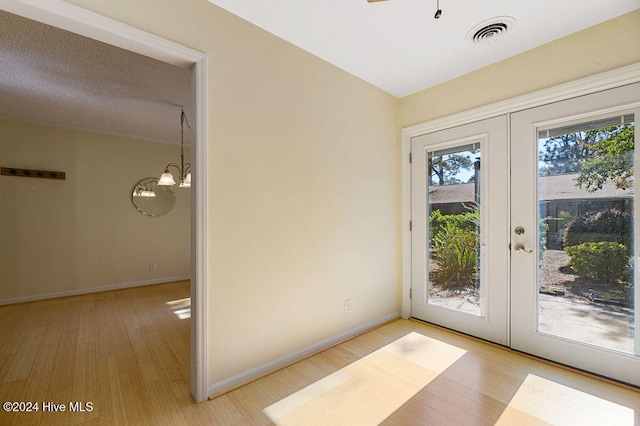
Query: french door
point(575, 226)
point(460, 228)
point(525, 231)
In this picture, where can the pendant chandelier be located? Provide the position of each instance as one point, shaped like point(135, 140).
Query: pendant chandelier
point(184, 169)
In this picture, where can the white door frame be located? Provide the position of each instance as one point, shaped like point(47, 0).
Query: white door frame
point(608, 80)
point(72, 18)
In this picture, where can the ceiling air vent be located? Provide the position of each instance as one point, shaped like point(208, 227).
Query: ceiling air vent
point(491, 30)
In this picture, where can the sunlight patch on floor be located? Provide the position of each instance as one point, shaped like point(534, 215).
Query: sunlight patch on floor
point(372, 388)
point(542, 401)
point(181, 307)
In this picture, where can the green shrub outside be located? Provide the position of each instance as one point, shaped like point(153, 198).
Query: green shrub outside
point(469, 221)
point(604, 262)
point(455, 244)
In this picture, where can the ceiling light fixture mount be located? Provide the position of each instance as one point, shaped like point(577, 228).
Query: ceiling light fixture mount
point(436, 16)
point(491, 30)
point(184, 169)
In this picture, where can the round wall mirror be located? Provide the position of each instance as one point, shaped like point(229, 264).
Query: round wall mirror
point(153, 199)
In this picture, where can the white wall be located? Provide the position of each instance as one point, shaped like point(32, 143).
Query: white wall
point(61, 236)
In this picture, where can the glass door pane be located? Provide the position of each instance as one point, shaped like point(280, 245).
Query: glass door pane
point(586, 244)
point(453, 194)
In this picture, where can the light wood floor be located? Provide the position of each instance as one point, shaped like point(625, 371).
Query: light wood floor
point(127, 352)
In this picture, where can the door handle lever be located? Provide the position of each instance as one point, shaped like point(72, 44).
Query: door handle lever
point(520, 248)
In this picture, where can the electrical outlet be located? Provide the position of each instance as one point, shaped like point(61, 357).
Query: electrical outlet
point(152, 267)
point(347, 306)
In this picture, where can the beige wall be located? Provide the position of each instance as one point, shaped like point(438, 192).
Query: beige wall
point(60, 236)
point(303, 187)
point(601, 48)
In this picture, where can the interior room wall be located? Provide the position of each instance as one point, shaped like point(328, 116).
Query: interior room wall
point(84, 233)
point(303, 186)
point(607, 46)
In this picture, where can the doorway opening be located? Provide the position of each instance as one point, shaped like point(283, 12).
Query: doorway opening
point(75, 19)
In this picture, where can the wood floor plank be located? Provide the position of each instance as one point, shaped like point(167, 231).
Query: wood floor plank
point(473, 402)
point(137, 400)
point(37, 383)
point(163, 404)
point(109, 402)
point(142, 348)
point(64, 362)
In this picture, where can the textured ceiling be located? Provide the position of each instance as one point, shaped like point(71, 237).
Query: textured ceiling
point(398, 46)
point(52, 76)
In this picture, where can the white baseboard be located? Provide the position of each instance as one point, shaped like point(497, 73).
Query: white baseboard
point(93, 290)
point(253, 373)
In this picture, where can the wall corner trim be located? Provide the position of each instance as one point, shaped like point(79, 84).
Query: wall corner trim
point(226, 385)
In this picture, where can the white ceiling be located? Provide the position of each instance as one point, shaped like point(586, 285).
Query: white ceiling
point(398, 46)
point(51, 76)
